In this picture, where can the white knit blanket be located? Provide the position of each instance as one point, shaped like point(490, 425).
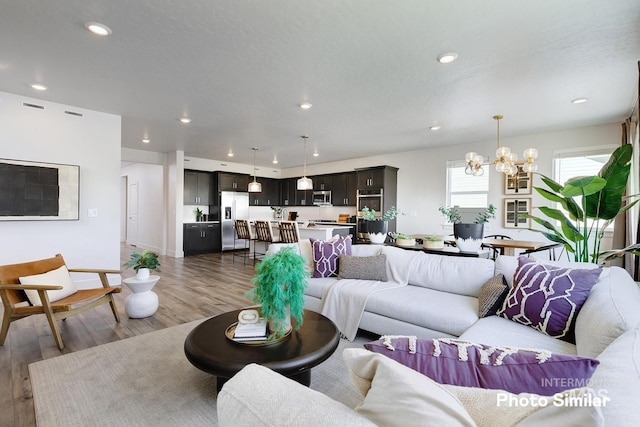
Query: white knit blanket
point(344, 300)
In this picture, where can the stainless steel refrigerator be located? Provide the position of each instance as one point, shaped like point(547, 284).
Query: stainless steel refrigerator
point(233, 206)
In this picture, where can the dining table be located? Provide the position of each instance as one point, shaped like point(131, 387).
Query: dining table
point(509, 246)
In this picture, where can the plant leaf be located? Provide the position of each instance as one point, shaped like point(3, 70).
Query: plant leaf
point(607, 203)
point(583, 186)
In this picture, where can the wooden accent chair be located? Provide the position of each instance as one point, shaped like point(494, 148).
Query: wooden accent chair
point(289, 232)
point(17, 305)
point(264, 233)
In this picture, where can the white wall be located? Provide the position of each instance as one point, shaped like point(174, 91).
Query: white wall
point(151, 196)
point(93, 143)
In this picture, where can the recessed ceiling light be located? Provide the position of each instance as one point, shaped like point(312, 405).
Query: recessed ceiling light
point(275, 161)
point(38, 86)
point(185, 120)
point(447, 58)
point(230, 154)
point(435, 127)
point(146, 140)
point(579, 100)
point(98, 28)
point(306, 105)
point(315, 154)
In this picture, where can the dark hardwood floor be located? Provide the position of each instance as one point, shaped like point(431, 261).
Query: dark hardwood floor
point(190, 288)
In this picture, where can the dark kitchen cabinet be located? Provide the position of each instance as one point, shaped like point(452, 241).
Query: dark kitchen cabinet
point(322, 182)
point(344, 189)
point(232, 181)
point(270, 194)
point(373, 177)
point(202, 238)
point(288, 191)
point(197, 187)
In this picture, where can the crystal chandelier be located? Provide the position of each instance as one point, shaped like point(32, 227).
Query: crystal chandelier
point(255, 186)
point(505, 162)
point(305, 183)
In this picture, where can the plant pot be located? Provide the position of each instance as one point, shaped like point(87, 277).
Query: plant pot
point(377, 231)
point(430, 244)
point(468, 236)
point(142, 274)
point(406, 242)
point(286, 324)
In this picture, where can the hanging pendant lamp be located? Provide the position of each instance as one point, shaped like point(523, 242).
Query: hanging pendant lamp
point(255, 186)
point(304, 183)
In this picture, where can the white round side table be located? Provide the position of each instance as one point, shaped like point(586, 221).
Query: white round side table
point(143, 302)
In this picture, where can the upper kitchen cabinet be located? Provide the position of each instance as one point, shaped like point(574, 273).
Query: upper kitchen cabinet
point(322, 182)
point(377, 177)
point(344, 189)
point(232, 181)
point(270, 194)
point(288, 192)
point(197, 187)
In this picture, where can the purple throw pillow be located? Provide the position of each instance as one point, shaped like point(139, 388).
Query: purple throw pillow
point(325, 255)
point(516, 370)
point(547, 297)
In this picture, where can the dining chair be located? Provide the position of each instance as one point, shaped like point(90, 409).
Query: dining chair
point(495, 252)
point(243, 232)
point(45, 287)
point(264, 233)
point(289, 232)
point(550, 247)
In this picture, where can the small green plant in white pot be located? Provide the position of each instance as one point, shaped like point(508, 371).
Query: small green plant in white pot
point(404, 240)
point(432, 242)
point(143, 263)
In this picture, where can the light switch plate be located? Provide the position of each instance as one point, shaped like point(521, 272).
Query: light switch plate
point(92, 213)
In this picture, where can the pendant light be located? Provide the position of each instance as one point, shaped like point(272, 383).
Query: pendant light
point(305, 183)
point(255, 186)
point(505, 162)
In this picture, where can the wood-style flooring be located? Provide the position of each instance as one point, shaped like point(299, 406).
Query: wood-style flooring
point(190, 288)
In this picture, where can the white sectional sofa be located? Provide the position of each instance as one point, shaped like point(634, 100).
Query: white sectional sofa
point(441, 300)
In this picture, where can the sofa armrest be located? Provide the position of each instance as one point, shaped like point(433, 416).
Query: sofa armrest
point(259, 396)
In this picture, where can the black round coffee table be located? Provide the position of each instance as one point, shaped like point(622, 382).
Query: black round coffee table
point(209, 350)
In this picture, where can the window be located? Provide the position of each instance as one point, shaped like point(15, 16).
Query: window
point(466, 191)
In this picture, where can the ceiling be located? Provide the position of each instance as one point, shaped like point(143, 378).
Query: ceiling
point(240, 70)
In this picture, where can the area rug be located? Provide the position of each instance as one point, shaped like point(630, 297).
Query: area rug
point(147, 381)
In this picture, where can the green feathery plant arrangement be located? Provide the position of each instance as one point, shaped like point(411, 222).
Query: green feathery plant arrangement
point(278, 287)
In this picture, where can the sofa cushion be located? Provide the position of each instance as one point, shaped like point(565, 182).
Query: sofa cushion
point(492, 295)
point(462, 276)
point(398, 396)
point(317, 287)
point(547, 297)
point(325, 255)
point(618, 378)
point(426, 308)
point(363, 268)
point(612, 308)
point(499, 408)
point(464, 363)
point(59, 276)
point(507, 265)
point(303, 248)
point(254, 396)
point(494, 330)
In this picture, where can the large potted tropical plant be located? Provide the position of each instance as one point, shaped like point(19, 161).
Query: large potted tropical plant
point(468, 235)
point(278, 287)
point(589, 204)
point(377, 227)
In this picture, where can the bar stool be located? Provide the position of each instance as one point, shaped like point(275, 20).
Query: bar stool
point(289, 232)
point(264, 233)
point(243, 232)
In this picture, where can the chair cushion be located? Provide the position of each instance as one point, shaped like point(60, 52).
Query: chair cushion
point(464, 363)
point(492, 295)
point(59, 276)
point(363, 268)
point(325, 255)
point(548, 298)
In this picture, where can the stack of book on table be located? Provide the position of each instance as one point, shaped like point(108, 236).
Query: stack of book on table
point(251, 331)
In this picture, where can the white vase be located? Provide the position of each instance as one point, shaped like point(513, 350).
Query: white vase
point(286, 323)
point(142, 274)
point(468, 245)
point(377, 238)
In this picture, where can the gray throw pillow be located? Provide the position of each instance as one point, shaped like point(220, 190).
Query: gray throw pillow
point(363, 267)
point(492, 295)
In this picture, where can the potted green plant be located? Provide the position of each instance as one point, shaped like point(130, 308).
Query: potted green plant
point(378, 226)
point(589, 205)
point(278, 287)
point(143, 263)
point(198, 214)
point(404, 240)
point(468, 235)
point(432, 242)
